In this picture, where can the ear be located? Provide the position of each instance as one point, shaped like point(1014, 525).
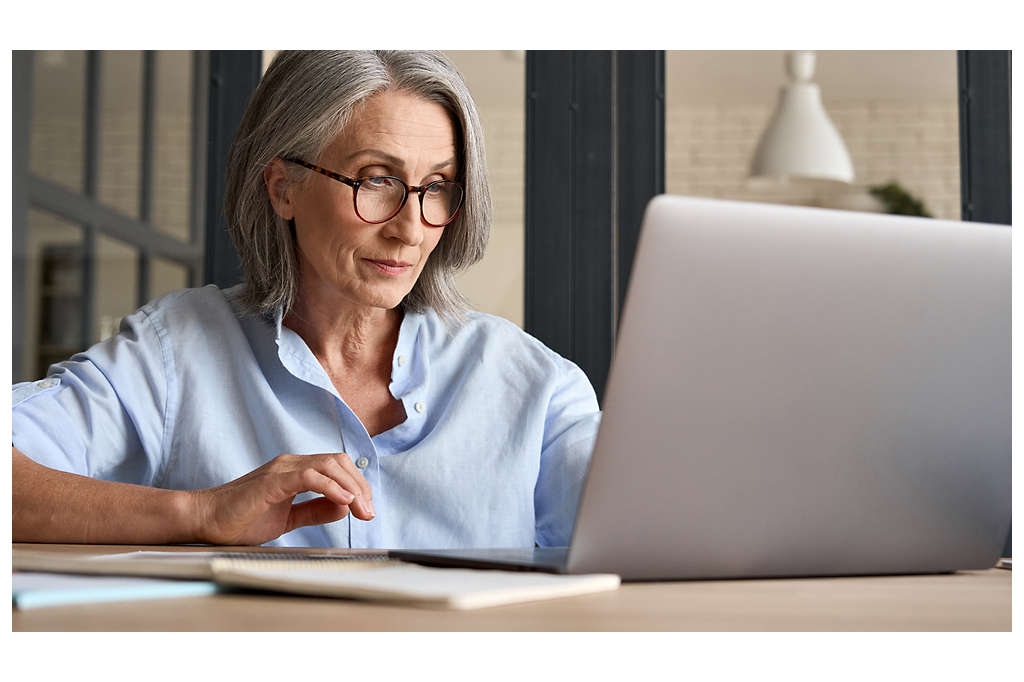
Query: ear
point(275, 177)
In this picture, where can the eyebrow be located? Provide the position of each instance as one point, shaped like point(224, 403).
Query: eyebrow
point(394, 161)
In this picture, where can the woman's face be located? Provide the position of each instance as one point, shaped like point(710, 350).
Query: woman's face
point(343, 257)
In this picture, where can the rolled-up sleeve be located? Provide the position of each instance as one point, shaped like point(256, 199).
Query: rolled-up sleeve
point(570, 430)
point(103, 413)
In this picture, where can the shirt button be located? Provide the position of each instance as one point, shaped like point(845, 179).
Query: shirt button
point(362, 463)
point(420, 407)
point(401, 360)
point(47, 383)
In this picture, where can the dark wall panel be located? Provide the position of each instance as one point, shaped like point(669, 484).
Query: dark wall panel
point(594, 157)
point(985, 135)
point(985, 142)
point(234, 75)
point(640, 162)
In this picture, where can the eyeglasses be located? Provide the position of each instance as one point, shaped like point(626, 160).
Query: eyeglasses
point(380, 198)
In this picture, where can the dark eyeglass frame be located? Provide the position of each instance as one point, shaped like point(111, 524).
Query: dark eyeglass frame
point(356, 183)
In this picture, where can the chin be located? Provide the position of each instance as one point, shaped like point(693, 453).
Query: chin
point(387, 295)
point(390, 300)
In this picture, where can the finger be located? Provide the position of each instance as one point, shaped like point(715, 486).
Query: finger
point(315, 512)
point(310, 480)
point(345, 462)
point(325, 476)
point(354, 482)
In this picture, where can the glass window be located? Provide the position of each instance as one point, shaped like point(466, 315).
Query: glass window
point(120, 143)
point(117, 276)
point(53, 290)
point(166, 276)
point(58, 115)
point(896, 112)
point(56, 293)
point(172, 143)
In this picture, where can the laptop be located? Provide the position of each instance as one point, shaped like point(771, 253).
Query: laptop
point(797, 392)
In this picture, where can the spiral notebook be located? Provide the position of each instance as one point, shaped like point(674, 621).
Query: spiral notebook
point(410, 584)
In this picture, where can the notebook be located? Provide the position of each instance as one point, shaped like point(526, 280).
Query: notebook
point(407, 584)
point(33, 590)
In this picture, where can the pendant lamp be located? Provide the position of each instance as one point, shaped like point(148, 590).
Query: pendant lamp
point(801, 141)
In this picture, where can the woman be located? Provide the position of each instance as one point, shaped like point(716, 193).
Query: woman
point(343, 395)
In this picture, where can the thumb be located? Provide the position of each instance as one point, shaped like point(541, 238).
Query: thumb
point(315, 512)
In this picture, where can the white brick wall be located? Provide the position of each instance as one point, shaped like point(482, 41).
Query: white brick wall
point(495, 284)
point(709, 148)
point(498, 83)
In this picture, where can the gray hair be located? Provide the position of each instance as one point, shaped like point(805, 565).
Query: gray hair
point(303, 102)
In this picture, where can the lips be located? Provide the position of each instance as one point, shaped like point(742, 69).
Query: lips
point(391, 263)
point(389, 267)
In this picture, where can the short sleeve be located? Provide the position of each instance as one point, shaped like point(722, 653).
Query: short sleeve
point(103, 412)
point(570, 431)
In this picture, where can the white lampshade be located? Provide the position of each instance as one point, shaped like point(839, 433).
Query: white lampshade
point(800, 141)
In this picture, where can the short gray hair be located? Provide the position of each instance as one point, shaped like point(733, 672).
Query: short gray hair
point(303, 102)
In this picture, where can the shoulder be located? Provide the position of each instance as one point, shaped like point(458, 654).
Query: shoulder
point(186, 318)
point(198, 305)
point(490, 338)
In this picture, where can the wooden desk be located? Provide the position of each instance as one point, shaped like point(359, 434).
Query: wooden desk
point(970, 600)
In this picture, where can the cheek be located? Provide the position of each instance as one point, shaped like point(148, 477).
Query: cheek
point(431, 241)
point(330, 230)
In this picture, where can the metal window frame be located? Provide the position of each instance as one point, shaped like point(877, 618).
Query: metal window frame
point(146, 169)
point(31, 191)
point(21, 121)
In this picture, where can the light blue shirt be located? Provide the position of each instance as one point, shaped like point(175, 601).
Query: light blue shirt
point(191, 394)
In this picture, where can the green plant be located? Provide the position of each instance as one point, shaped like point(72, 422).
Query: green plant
point(898, 200)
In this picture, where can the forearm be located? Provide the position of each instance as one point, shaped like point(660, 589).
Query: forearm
point(55, 506)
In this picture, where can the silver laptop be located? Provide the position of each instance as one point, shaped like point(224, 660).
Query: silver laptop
point(797, 392)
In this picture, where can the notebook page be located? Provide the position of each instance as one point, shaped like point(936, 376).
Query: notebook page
point(421, 585)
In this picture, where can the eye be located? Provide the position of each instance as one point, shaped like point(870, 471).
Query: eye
point(377, 181)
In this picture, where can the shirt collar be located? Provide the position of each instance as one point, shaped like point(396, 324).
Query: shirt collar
point(278, 317)
point(408, 363)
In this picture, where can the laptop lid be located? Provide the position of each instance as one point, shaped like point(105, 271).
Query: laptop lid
point(542, 559)
point(799, 391)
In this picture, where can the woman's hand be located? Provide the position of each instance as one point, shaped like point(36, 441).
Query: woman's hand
point(257, 507)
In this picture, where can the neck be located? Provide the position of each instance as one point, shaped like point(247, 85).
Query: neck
point(344, 336)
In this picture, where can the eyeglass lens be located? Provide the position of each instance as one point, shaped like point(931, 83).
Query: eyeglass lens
point(379, 199)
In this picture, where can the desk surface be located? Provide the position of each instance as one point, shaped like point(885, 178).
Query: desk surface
point(969, 600)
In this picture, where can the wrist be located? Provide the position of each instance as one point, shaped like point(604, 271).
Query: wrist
point(189, 509)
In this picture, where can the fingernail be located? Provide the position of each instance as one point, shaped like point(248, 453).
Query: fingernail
point(369, 508)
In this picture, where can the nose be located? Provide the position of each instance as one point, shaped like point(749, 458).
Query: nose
point(407, 225)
